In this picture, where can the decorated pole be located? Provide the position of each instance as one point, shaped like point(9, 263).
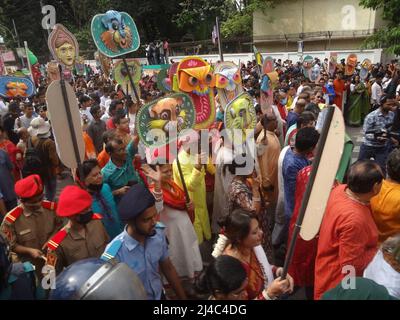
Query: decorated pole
point(324, 168)
point(131, 81)
point(65, 49)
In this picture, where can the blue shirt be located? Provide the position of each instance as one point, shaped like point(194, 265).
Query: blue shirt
point(376, 120)
point(144, 260)
point(292, 164)
point(106, 206)
point(291, 118)
point(6, 178)
point(118, 177)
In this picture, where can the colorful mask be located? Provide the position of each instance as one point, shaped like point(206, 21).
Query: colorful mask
point(194, 77)
point(80, 67)
point(160, 117)
point(63, 46)
point(365, 68)
point(269, 80)
point(120, 74)
point(228, 82)
point(351, 64)
point(163, 81)
point(307, 65)
point(315, 73)
point(12, 87)
point(115, 33)
point(332, 63)
point(240, 115)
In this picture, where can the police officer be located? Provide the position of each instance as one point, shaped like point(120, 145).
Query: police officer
point(143, 244)
point(82, 237)
point(29, 226)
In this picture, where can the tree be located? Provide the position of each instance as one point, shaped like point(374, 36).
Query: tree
point(387, 37)
point(240, 22)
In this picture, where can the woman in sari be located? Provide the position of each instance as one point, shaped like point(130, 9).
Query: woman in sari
point(244, 193)
point(103, 199)
point(243, 236)
point(176, 215)
point(359, 104)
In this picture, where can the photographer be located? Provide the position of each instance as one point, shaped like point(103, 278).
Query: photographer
point(376, 133)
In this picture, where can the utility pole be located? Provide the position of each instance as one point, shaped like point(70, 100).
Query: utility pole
point(19, 43)
point(221, 55)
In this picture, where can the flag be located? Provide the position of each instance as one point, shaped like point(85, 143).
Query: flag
point(258, 56)
point(214, 35)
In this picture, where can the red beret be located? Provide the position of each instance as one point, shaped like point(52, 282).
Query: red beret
point(29, 187)
point(73, 200)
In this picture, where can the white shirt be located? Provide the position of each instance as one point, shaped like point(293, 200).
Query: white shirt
point(3, 108)
point(398, 90)
point(382, 273)
point(386, 82)
point(376, 93)
point(299, 90)
point(87, 113)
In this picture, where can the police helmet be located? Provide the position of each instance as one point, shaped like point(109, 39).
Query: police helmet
point(95, 279)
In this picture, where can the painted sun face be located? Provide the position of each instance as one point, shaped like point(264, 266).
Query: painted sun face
point(66, 53)
point(197, 80)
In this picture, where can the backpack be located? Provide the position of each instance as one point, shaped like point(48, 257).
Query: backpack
point(32, 161)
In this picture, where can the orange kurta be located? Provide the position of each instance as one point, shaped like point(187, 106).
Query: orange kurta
point(348, 237)
point(340, 88)
point(103, 158)
point(90, 151)
point(386, 210)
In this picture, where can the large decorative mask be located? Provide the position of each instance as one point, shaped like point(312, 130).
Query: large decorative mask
point(12, 87)
point(163, 81)
point(240, 116)
point(120, 74)
point(194, 77)
point(350, 64)
point(80, 68)
point(228, 82)
point(365, 68)
point(268, 82)
point(115, 33)
point(157, 120)
point(63, 46)
point(315, 73)
point(333, 63)
point(307, 65)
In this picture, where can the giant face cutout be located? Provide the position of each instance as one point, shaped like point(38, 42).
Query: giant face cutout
point(194, 77)
point(160, 120)
point(228, 82)
point(63, 46)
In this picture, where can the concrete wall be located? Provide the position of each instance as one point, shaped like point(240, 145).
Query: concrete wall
point(374, 55)
point(297, 16)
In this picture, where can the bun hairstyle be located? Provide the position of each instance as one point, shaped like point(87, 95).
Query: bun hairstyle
point(224, 275)
point(236, 225)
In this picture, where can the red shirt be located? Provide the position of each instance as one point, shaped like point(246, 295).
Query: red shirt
point(348, 237)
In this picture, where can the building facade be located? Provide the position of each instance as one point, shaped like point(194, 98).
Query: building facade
point(320, 24)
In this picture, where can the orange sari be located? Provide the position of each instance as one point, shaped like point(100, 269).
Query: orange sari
point(256, 278)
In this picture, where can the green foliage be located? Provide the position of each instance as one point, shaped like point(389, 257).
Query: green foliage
point(240, 23)
point(387, 37)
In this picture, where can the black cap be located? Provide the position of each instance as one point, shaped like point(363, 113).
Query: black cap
point(137, 200)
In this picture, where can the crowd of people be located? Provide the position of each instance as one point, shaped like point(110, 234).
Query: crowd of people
point(120, 206)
